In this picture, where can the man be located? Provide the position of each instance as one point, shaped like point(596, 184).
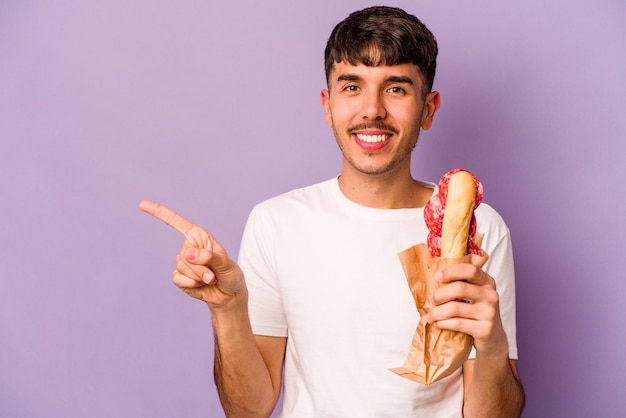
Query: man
point(321, 292)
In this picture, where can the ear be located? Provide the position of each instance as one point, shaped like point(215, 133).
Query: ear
point(431, 105)
point(325, 99)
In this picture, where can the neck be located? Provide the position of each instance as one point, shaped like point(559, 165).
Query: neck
point(384, 191)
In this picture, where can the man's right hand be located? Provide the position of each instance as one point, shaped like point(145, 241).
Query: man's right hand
point(203, 269)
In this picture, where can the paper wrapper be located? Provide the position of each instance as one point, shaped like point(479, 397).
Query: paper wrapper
point(434, 353)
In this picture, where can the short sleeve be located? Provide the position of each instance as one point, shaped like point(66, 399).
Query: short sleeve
point(256, 259)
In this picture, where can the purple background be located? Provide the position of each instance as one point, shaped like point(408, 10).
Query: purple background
point(211, 107)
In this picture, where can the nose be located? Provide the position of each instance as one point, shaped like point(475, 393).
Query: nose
point(373, 106)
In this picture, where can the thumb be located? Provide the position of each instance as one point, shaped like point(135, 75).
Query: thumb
point(221, 263)
point(227, 272)
point(213, 257)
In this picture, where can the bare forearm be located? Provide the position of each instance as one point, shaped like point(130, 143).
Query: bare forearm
point(495, 390)
point(241, 375)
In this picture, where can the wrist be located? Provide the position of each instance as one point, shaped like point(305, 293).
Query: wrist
point(494, 364)
point(496, 346)
point(497, 353)
point(233, 309)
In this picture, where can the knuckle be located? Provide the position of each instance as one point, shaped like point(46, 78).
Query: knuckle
point(472, 270)
point(493, 297)
point(180, 264)
point(462, 287)
point(452, 312)
point(453, 309)
point(177, 279)
point(455, 323)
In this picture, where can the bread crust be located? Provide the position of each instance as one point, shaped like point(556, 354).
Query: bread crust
point(457, 218)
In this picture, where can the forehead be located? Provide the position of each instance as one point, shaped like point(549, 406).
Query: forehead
point(381, 73)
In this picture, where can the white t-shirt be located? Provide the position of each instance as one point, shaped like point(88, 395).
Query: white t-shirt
point(324, 272)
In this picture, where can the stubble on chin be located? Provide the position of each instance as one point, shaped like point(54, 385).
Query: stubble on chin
point(373, 169)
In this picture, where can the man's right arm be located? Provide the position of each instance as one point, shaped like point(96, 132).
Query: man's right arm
point(248, 369)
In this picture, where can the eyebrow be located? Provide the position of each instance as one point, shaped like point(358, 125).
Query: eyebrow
point(348, 77)
point(400, 79)
point(392, 79)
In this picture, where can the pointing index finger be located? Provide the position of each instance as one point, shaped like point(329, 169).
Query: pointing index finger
point(167, 215)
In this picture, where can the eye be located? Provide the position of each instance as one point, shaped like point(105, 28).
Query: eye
point(351, 88)
point(396, 90)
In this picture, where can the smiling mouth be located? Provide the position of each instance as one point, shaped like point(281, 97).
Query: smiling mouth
point(373, 133)
point(372, 139)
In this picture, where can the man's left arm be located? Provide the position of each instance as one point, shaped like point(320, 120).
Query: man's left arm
point(469, 303)
point(492, 393)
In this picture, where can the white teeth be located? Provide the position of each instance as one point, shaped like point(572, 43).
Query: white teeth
point(371, 138)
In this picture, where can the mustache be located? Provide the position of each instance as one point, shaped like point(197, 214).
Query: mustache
point(373, 125)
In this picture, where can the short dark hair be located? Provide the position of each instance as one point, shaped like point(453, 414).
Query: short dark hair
point(382, 35)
